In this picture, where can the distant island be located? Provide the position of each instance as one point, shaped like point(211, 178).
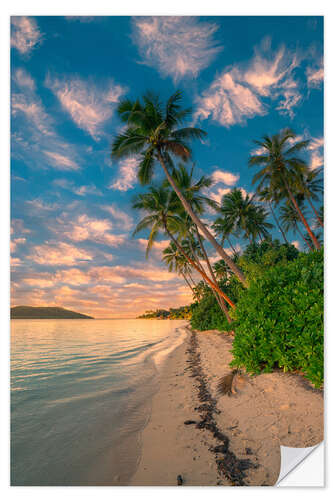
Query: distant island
point(184, 312)
point(29, 312)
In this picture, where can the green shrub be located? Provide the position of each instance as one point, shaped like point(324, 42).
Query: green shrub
point(279, 319)
point(207, 315)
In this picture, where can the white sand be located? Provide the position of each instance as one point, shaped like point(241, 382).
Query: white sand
point(268, 410)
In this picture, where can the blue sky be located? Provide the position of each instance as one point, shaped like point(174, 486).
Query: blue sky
point(71, 205)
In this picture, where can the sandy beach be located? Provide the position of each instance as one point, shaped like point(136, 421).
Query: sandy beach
point(206, 439)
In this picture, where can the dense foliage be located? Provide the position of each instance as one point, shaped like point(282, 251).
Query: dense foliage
point(279, 319)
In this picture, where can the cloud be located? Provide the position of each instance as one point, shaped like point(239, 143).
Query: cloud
point(120, 218)
point(317, 155)
point(315, 76)
point(23, 79)
point(15, 242)
point(219, 193)
point(41, 206)
point(246, 90)
point(126, 175)
point(61, 161)
point(88, 105)
point(34, 131)
point(59, 254)
point(85, 228)
point(296, 244)
point(78, 190)
point(225, 177)
point(177, 46)
point(229, 102)
point(317, 160)
point(25, 34)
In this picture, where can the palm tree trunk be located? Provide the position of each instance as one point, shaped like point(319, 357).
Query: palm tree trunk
point(231, 246)
point(187, 282)
point(315, 211)
point(277, 223)
point(312, 236)
point(197, 268)
point(220, 300)
point(202, 226)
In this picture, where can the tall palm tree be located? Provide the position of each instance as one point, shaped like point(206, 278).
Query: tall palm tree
point(310, 186)
point(243, 215)
point(267, 196)
point(191, 190)
point(290, 220)
point(177, 262)
point(225, 228)
point(281, 169)
point(153, 133)
point(158, 204)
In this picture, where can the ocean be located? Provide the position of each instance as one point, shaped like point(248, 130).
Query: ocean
point(81, 392)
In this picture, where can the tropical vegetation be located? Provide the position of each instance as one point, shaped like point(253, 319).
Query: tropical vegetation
point(266, 292)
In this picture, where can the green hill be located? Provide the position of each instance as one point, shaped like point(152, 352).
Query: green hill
point(28, 312)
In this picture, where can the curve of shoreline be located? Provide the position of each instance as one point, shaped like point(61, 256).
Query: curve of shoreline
point(198, 438)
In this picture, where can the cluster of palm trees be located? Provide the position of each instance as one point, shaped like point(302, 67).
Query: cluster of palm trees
point(155, 133)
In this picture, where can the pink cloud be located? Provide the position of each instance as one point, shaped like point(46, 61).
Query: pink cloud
point(127, 175)
point(177, 46)
point(225, 177)
point(59, 254)
point(237, 93)
point(88, 105)
point(25, 34)
point(61, 161)
point(85, 228)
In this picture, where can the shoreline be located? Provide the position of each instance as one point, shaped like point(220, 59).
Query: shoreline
point(209, 439)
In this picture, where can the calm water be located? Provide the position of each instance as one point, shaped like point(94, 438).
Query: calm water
point(80, 392)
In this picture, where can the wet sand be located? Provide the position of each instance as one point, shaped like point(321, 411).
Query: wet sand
point(205, 439)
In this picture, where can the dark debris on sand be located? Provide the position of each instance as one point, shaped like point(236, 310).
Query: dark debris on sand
point(228, 465)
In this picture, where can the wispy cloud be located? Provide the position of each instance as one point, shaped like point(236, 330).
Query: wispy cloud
point(88, 104)
point(60, 161)
point(176, 46)
point(25, 34)
point(244, 91)
point(35, 140)
point(126, 175)
point(120, 218)
point(59, 254)
point(316, 147)
point(315, 75)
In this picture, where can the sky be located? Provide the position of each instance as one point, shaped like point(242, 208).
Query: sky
point(71, 215)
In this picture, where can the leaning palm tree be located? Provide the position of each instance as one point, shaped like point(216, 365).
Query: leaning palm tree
point(290, 220)
point(158, 203)
point(155, 133)
point(310, 186)
point(240, 212)
point(281, 169)
point(177, 262)
point(225, 227)
point(267, 196)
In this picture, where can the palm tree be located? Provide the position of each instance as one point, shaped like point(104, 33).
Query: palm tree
point(290, 219)
point(310, 185)
point(267, 196)
point(225, 228)
point(159, 204)
point(281, 169)
point(152, 133)
point(177, 262)
point(191, 191)
point(243, 215)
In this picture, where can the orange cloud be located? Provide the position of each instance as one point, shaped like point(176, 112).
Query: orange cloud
point(59, 254)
